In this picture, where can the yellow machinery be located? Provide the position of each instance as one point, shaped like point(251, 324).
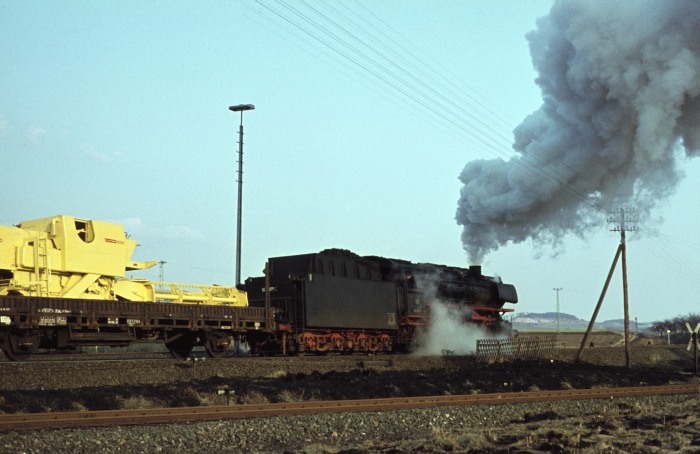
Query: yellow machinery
point(66, 257)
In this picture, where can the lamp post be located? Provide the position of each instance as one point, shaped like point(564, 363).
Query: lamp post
point(240, 108)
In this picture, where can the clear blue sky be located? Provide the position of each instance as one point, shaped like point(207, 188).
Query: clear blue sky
point(119, 111)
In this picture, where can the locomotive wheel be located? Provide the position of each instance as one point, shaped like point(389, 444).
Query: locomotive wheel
point(180, 351)
point(180, 348)
point(217, 345)
point(20, 348)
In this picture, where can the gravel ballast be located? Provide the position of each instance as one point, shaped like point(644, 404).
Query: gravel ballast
point(623, 425)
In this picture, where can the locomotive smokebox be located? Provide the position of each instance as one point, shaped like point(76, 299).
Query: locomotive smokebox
point(475, 270)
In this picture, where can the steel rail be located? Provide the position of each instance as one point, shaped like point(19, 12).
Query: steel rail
point(60, 420)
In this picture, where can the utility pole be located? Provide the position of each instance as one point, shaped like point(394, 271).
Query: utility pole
point(625, 221)
point(558, 289)
point(622, 218)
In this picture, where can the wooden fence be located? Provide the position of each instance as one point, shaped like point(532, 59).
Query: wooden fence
point(520, 348)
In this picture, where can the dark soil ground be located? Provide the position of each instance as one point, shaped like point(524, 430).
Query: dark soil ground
point(105, 385)
point(644, 425)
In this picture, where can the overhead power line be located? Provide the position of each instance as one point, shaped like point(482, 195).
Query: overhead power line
point(359, 40)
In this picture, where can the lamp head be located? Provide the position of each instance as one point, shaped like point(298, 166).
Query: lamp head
point(241, 107)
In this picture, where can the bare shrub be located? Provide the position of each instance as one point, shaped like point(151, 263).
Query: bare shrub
point(188, 396)
point(136, 402)
point(290, 396)
point(254, 397)
point(570, 438)
point(277, 374)
point(77, 406)
point(638, 408)
point(214, 398)
point(445, 438)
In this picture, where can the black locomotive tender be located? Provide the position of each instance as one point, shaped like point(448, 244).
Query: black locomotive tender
point(332, 301)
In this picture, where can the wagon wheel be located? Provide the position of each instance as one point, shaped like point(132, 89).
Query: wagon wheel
point(180, 348)
point(20, 348)
point(216, 345)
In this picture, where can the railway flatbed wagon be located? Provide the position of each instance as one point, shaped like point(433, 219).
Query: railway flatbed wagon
point(29, 323)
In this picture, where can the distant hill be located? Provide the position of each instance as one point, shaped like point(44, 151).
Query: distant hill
point(548, 315)
point(547, 321)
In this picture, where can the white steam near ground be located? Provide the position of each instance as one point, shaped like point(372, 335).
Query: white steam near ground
point(449, 328)
point(447, 331)
point(620, 83)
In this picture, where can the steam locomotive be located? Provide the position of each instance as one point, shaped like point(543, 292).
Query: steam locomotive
point(63, 285)
point(338, 301)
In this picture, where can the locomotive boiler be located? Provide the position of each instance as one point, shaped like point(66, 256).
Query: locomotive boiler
point(338, 301)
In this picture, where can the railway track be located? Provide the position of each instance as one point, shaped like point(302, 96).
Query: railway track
point(58, 359)
point(36, 421)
